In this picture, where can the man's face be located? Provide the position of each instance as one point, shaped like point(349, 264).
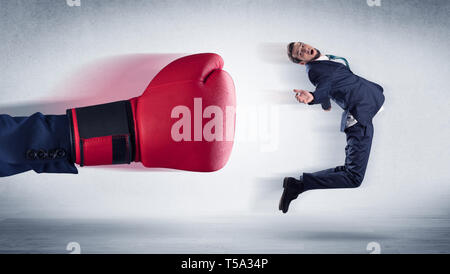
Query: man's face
point(304, 52)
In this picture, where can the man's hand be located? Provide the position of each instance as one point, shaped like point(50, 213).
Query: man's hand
point(303, 96)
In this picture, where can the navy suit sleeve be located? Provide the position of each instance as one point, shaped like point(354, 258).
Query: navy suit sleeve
point(326, 104)
point(39, 142)
point(322, 92)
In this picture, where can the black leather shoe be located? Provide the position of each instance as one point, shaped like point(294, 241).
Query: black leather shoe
point(292, 188)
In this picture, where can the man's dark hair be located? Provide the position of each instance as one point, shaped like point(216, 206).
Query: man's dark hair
point(290, 47)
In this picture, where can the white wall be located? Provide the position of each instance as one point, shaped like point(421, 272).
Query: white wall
point(402, 45)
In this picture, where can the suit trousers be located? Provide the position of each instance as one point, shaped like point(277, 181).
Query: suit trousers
point(350, 175)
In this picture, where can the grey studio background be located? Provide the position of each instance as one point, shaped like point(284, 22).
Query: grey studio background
point(402, 205)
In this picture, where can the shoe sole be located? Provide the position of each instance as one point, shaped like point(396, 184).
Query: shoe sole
point(280, 207)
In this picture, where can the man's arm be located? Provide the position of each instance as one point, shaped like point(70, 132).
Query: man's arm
point(39, 142)
point(307, 97)
point(326, 105)
point(322, 93)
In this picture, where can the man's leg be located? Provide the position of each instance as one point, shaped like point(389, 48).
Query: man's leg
point(351, 175)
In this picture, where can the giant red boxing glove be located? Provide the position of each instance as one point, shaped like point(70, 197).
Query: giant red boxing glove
point(183, 120)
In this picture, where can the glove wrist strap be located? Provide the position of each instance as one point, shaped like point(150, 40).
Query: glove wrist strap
point(102, 134)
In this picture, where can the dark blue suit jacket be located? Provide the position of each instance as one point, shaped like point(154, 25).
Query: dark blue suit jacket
point(39, 142)
point(354, 94)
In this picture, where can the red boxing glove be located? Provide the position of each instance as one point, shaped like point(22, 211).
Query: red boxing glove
point(184, 120)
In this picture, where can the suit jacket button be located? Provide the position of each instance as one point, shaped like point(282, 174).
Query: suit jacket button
point(52, 154)
point(42, 154)
point(61, 153)
point(31, 154)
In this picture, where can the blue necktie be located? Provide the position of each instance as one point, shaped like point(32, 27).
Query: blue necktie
point(334, 57)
